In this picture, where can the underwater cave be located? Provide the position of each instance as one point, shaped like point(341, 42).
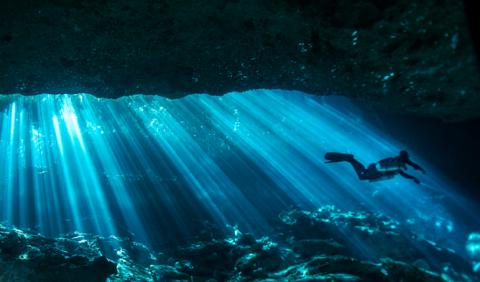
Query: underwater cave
point(162, 140)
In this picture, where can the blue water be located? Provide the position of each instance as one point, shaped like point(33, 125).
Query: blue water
point(157, 169)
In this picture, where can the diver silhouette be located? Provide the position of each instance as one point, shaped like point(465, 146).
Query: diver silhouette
point(381, 170)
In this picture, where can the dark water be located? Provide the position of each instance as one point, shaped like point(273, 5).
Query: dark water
point(452, 147)
point(162, 171)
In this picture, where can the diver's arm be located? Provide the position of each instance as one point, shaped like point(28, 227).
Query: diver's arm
point(415, 166)
point(406, 175)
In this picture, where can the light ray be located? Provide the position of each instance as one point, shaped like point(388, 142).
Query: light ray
point(159, 168)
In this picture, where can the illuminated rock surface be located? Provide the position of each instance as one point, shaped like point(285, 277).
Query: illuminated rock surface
point(396, 56)
point(26, 256)
point(240, 257)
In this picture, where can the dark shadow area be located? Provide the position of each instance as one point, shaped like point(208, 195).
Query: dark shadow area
point(452, 148)
point(472, 12)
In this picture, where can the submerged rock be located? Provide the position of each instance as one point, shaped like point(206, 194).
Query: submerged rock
point(368, 236)
point(322, 245)
point(402, 56)
point(25, 256)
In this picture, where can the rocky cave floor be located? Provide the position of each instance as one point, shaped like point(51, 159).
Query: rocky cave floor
point(315, 245)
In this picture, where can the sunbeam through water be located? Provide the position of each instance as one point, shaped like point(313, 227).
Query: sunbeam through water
point(157, 169)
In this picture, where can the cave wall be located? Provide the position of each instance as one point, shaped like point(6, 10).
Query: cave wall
point(404, 56)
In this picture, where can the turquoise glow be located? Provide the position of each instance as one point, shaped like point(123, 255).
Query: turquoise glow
point(158, 168)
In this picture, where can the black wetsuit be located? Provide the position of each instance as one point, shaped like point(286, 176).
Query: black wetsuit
point(381, 170)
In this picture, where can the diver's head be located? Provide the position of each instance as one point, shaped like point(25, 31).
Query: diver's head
point(404, 154)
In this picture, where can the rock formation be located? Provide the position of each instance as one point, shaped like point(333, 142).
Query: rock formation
point(322, 245)
point(410, 57)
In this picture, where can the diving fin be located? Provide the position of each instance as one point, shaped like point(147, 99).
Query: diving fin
point(337, 157)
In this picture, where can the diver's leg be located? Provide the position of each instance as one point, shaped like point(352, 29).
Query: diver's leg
point(408, 176)
point(361, 171)
point(357, 166)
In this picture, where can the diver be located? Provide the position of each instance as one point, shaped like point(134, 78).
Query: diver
point(381, 170)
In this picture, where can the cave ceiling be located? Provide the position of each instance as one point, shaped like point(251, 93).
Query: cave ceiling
point(408, 57)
